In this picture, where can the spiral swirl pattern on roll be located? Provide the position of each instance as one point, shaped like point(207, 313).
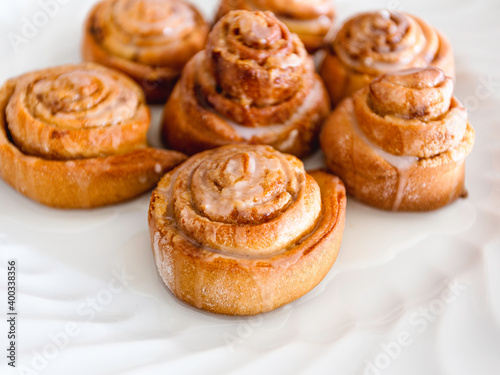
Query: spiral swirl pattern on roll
point(312, 21)
point(150, 40)
point(371, 44)
point(227, 200)
point(75, 136)
point(254, 83)
point(77, 112)
point(243, 207)
point(401, 142)
point(411, 113)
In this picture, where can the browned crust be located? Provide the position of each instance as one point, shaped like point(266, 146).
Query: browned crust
point(157, 82)
point(81, 183)
point(429, 184)
point(191, 127)
point(403, 136)
point(225, 284)
point(342, 81)
point(313, 41)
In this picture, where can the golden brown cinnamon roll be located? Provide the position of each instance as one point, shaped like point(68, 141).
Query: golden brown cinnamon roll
point(311, 20)
point(371, 44)
point(254, 83)
point(149, 40)
point(400, 143)
point(74, 136)
point(243, 229)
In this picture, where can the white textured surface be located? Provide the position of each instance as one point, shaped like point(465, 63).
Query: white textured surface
point(392, 267)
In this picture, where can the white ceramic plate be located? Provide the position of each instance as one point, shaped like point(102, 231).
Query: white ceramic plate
point(409, 293)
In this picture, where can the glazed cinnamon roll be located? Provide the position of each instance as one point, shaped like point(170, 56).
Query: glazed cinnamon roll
point(244, 229)
point(149, 40)
point(254, 83)
point(74, 136)
point(312, 20)
point(371, 44)
point(401, 142)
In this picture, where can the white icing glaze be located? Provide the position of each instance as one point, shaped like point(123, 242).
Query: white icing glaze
point(283, 62)
point(152, 17)
point(70, 102)
point(315, 25)
point(247, 191)
point(290, 140)
point(402, 164)
point(176, 337)
point(410, 52)
point(385, 14)
point(218, 192)
point(158, 168)
point(248, 133)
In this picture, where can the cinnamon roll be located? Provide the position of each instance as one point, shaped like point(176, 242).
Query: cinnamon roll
point(243, 229)
point(311, 20)
point(371, 44)
point(149, 40)
point(254, 83)
point(401, 142)
point(74, 136)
